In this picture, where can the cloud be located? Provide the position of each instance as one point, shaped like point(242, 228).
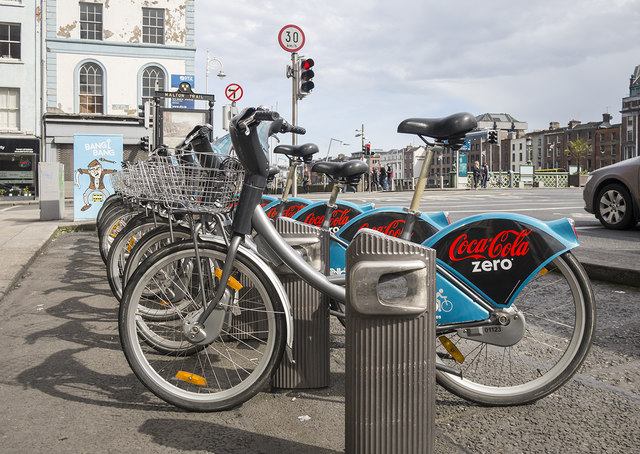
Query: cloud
point(379, 62)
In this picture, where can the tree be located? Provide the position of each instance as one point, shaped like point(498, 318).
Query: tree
point(578, 149)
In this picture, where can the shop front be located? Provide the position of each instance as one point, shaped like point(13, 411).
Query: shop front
point(18, 167)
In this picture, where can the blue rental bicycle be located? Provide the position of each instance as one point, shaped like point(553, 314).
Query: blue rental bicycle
point(516, 310)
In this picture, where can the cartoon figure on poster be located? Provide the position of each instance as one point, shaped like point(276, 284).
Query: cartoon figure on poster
point(97, 173)
point(95, 156)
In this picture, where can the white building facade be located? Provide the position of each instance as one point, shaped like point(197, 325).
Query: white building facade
point(20, 95)
point(104, 59)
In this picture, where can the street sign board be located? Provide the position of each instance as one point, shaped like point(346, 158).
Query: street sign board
point(176, 80)
point(233, 92)
point(466, 146)
point(291, 38)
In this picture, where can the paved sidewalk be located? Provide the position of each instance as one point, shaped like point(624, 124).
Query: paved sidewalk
point(23, 235)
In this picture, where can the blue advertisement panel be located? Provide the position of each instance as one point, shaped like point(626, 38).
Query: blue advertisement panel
point(176, 80)
point(94, 158)
point(462, 165)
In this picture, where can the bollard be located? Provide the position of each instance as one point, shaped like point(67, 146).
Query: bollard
point(310, 310)
point(390, 346)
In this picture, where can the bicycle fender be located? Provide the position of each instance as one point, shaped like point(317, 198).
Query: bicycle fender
point(291, 207)
point(266, 200)
point(258, 262)
point(496, 254)
point(388, 220)
point(314, 214)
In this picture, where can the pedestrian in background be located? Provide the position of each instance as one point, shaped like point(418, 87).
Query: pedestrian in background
point(484, 175)
point(389, 177)
point(374, 179)
point(383, 178)
point(476, 174)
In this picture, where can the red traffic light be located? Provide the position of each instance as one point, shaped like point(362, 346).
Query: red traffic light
point(306, 63)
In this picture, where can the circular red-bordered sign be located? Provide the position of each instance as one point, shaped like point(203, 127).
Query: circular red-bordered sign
point(233, 92)
point(291, 38)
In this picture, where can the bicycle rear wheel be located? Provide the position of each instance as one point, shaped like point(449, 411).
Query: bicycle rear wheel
point(559, 309)
point(226, 370)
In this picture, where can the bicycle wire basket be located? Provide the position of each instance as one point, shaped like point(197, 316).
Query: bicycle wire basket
point(200, 182)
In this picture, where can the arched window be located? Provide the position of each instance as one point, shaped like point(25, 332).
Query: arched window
point(91, 89)
point(152, 80)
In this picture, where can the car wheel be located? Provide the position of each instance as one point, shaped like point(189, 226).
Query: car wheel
point(614, 208)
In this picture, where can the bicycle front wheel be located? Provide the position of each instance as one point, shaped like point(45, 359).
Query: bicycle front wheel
point(227, 370)
point(559, 309)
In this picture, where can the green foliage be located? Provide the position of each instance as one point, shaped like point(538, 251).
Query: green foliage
point(578, 149)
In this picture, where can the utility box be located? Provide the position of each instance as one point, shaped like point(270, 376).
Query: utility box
point(390, 346)
point(51, 187)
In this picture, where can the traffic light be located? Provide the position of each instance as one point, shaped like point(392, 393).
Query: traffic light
point(367, 149)
point(144, 143)
point(305, 74)
point(144, 112)
point(493, 136)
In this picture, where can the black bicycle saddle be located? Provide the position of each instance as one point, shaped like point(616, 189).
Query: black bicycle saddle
point(447, 128)
point(341, 169)
point(304, 151)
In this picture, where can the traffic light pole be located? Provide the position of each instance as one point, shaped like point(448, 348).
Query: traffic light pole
point(294, 109)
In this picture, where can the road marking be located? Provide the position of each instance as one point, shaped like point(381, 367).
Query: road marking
point(9, 208)
point(513, 210)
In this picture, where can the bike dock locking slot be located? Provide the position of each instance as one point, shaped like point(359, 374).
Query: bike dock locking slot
point(390, 345)
point(310, 310)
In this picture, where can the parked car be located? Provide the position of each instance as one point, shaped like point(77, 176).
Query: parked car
point(612, 193)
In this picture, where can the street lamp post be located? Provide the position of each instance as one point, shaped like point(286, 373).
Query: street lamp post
point(210, 61)
point(361, 134)
point(324, 177)
point(329, 148)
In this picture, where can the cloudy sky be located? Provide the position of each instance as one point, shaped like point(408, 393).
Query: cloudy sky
point(379, 62)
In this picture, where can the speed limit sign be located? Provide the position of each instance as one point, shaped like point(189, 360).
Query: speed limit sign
point(291, 38)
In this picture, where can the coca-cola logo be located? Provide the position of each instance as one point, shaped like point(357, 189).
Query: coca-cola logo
point(339, 218)
point(506, 244)
point(394, 228)
point(287, 212)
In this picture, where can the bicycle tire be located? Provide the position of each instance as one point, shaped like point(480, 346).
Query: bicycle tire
point(113, 224)
point(158, 238)
point(228, 370)
point(120, 249)
point(557, 340)
point(112, 200)
point(109, 212)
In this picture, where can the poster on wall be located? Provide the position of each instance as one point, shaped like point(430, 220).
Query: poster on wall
point(95, 157)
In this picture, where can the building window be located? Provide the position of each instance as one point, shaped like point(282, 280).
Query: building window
point(614, 149)
point(91, 90)
point(91, 21)
point(10, 41)
point(153, 25)
point(152, 79)
point(9, 109)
